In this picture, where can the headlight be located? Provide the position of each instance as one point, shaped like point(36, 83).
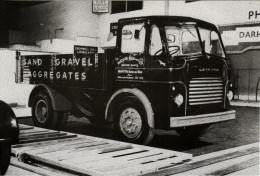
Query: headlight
point(230, 95)
point(178, 100)
point(13, 123)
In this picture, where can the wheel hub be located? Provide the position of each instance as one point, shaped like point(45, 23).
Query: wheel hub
point(130, 123)
point(41, 111)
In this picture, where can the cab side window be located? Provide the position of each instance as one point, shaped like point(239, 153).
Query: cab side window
point(133, 38)
point(156, 42)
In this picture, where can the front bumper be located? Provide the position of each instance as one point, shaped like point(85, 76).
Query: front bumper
point(185, 121)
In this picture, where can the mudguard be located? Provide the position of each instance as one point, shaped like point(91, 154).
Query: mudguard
point(140, 95)
point(59, 101)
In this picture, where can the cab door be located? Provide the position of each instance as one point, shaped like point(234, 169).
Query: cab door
point(130, 59)
point(156, 62)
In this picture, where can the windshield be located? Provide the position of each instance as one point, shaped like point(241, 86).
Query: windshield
point(211, 42)
point(183, 39)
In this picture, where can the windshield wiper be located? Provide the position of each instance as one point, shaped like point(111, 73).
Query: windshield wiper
point(184, 25)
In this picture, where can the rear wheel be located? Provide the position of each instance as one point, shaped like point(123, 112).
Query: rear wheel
point(5, 154)
point(131, 121)
point(43, 114)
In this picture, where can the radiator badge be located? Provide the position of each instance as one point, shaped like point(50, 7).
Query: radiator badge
point(208, 69)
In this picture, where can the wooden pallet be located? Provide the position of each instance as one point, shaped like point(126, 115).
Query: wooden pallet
point(86, 155)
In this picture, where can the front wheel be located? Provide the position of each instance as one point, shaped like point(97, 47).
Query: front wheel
point(131, 121)
point(43, 114)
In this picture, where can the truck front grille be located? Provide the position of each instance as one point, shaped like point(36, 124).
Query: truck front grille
point(205, 91)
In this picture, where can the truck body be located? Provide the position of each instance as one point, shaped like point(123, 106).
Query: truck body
point(165, 72)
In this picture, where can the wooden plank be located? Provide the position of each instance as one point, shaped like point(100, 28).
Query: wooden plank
point(151, 159)
point(16, 171)
point(132, 157)
point(34, 169)
point(21, 127)
point(116, 148)
point(38, 134)
point(70, 168)
point(68, 154)
point(34, 130)
point(92, 155)
point(44, 142)
point(55, 155)
point(205, 162)
point(207, 169)
point(44, 135)
point(223, 152)
point(59, 148)
point(59, 171)
point(248, 171)
point(147, 168)
point(237, 167)
point(89, 147)
point(104, 166)
point(41, 137)
point(113, 164)
point(47, 139)
point(109, 158)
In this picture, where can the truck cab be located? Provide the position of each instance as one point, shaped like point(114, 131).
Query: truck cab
point(181, 65)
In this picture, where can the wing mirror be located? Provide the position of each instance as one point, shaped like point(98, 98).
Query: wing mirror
point(170, 38)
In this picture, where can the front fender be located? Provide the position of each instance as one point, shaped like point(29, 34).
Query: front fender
point(140, 95)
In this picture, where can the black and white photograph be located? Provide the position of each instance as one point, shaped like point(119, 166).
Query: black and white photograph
point(129, 88)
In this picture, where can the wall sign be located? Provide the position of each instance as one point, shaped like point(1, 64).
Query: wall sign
point(85, 50)
point(100, 6)
point(113, 28)
point(239, 38)
point(240, 35)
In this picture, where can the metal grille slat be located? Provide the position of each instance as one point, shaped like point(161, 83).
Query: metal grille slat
point(206, 81)
point(206, 95)
point(209, 102)
point(215, 78)
point(207, 90)
point(205, 85)
point(205, 99)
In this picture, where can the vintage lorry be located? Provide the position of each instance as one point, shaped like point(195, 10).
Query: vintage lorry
point(165, 72)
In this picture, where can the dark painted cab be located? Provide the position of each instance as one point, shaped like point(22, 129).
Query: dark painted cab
point(180, 63)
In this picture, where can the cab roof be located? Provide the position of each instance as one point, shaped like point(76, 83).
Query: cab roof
point(167, 20)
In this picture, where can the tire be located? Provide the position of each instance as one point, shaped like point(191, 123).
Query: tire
point(192, 133)
point(5, 154)
point(131, 121)
point(43, 114)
